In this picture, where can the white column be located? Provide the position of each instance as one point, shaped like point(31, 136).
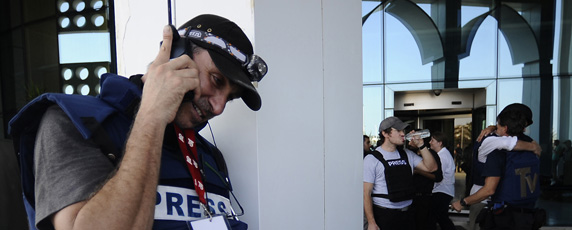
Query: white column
point(564, 66)
point(310, 124)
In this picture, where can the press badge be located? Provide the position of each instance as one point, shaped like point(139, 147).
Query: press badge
point(218, 222)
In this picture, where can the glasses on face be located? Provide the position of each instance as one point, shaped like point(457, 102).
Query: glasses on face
point(253, 63)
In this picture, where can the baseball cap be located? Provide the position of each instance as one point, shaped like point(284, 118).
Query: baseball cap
point(226, 44)
point(392, 122)
point(522, 109)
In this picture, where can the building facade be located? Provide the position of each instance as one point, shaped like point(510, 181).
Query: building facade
point(452, 66)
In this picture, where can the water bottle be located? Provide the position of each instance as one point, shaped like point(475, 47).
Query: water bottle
point(421, 133)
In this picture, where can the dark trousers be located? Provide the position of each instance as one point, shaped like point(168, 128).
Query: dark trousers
point(422, 209)
point(510, 219)
point(440, 212)
point(393, 219)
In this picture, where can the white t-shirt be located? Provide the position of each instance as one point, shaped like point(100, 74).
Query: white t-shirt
point(447, 185)
point(374, 172)
point(495, 142)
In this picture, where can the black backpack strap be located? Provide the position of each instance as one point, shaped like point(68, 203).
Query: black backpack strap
point(386, 196)
point(403, 155)
point(379, 157)
point(221, 165)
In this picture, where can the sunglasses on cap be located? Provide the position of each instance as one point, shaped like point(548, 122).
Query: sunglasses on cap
point(253, 63)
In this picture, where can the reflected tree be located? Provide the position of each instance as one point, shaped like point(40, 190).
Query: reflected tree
point(463, 135)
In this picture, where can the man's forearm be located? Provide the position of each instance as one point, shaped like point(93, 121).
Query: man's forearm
point(428, 160)
point(428, 175)
point(477, 197)
point(127, 200)
point(528, 146)
point(146, 213)
point(368, 208)
point(368, 203)
point(487, 190)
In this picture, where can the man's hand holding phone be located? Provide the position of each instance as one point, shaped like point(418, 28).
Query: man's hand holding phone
point(167, 81)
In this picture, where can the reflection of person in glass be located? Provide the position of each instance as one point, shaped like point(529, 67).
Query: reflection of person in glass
point(164, 174)
point(557, 154)
point(388, 171)
point(458, 158)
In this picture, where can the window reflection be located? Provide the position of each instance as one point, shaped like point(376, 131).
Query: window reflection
point(562, 108)
point(372, 41)
point(372, 109)
point(510, 91)
point(563, 43)
point(403, 62)
point(480, 64)
point(506, 67)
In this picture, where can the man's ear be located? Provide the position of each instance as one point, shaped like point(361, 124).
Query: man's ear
point(504, 128)
point(384, 133)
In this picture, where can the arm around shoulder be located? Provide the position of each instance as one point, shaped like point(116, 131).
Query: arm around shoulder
point(528, 146)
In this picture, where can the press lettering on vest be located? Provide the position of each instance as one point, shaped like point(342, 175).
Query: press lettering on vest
point(397, 163)
point(525, 179)
point(174, 203)
point(221, 207)
point(194, 204)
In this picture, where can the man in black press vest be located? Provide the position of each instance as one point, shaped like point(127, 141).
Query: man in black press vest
point(388, 171)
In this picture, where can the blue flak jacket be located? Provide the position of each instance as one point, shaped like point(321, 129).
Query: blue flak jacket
point(520, 183)
point(107, 119)
point(478, 166)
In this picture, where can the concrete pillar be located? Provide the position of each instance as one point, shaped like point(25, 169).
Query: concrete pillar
point(564, 67)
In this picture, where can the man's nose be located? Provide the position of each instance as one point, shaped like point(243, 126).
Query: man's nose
point(218, 103)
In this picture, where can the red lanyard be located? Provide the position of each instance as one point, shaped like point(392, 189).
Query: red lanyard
point(189, 148)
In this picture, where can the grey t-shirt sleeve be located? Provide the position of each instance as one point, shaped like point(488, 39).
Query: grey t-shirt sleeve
point(68, 169)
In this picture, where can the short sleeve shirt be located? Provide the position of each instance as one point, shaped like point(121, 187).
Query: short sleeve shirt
point(494, 167)
point(496, 142)
point(374, 172)
point(68, 168)
point(447, 185)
